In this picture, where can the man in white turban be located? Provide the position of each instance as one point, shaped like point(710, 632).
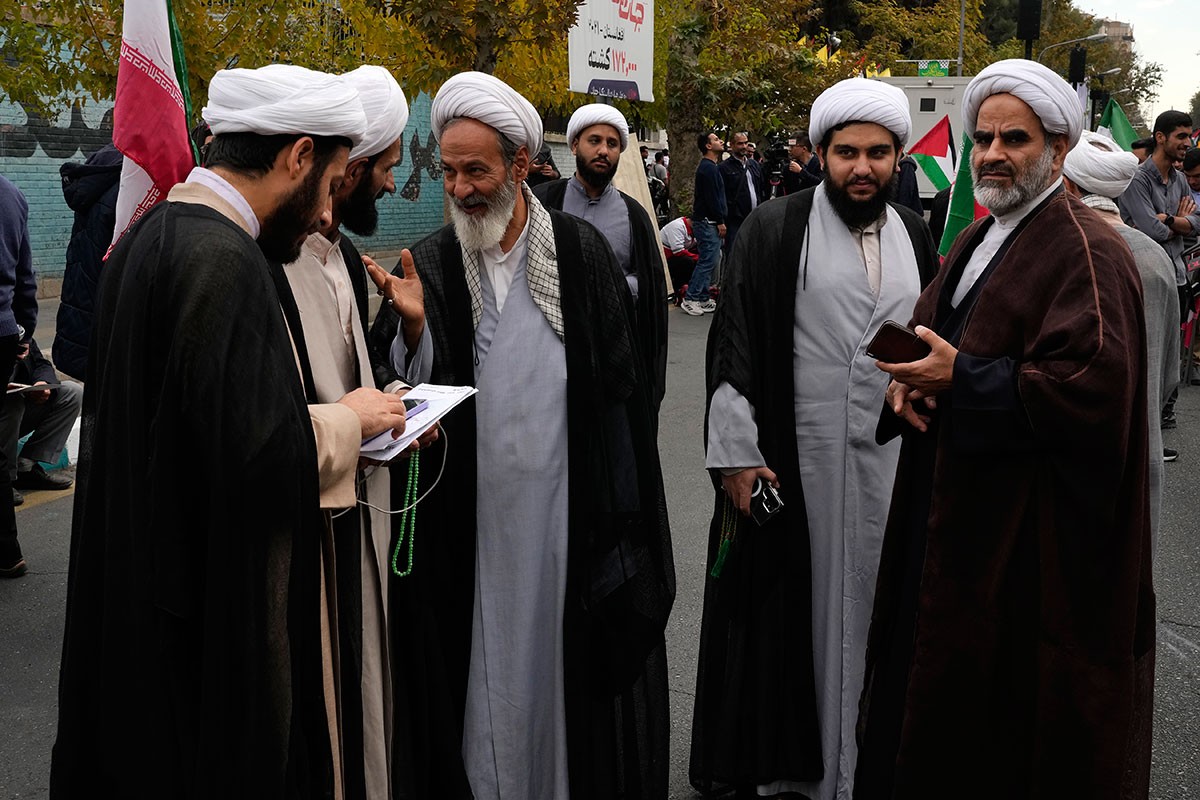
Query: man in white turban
point(199, 648)
point(1015, 596)
point(329, 283)
point(1097, 171)
point(545, 576)
point(793, 400)
point(598, 135)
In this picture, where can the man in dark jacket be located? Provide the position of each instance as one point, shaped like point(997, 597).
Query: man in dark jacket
point(708, 224)
point(90, 189)
point(744, 186)
point(46, 415)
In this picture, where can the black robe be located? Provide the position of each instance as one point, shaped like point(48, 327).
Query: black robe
point(1012, 641)
point(645, 253)
point(191, 660)
point(620, 573)
point(755, 716)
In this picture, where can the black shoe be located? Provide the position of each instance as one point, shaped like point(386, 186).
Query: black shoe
point(14, 570)
point(38, 478)
point(1169, 454)
point(1168, 422)
point(18, 498)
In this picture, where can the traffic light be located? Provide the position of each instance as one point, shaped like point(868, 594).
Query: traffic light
point(1077, 71)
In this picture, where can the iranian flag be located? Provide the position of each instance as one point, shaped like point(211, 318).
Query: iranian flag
point(935, 153)
point(1115, 125)
point(150, 116)
point(963, 208)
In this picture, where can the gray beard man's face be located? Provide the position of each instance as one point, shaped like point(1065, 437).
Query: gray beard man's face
point(1026, 183)
point(480, 220)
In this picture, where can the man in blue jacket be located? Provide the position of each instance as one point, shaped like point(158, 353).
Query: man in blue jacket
point(708, 224)
point(18, 317)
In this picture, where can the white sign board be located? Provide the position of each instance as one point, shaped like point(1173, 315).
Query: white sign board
point(612, 49)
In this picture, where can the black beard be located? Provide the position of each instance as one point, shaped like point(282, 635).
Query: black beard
point(359, 213)
point(858, 213)
point(285, 229)
point(593, 177)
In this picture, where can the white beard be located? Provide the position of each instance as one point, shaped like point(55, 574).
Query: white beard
point(480, 231)
point(1025, 185)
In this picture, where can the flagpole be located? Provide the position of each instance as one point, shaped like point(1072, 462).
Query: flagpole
point(962, 27)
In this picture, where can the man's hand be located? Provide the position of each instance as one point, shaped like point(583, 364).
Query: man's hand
point(740, 484)
point(900, 399)
point(1186, 206)
point(721, 230)
point(794, 166)
point(404, 295)
point(37, 398)
point(377, 411)
point(932, 374)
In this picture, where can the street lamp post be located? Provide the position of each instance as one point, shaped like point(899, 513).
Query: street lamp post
point(1100, 97)
point(1095, 37)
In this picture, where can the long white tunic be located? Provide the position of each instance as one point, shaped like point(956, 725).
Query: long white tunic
point(847, 477)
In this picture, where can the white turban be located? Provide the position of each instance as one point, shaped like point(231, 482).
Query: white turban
point(1056, 104)
point(482, 97)
point(282, 98)
point(597, 114)
point(1097, 165)
point(384, 104)
point(860, 100)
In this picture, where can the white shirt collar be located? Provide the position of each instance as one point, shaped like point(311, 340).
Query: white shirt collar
point(229, 193)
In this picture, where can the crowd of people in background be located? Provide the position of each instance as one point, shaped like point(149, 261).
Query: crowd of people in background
point(936, 482)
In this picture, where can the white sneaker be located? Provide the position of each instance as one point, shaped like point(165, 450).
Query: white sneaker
point(708, 306)
point(692, 308)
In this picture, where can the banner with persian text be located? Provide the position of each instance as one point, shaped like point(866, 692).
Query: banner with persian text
point(611, 49)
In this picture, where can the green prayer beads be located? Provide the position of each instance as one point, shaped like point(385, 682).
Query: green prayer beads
point(408, 518)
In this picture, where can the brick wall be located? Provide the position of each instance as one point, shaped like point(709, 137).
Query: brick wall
point(32, 150)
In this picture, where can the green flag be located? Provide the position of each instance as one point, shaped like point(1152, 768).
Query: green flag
point(963, 208)
point(1115, 124)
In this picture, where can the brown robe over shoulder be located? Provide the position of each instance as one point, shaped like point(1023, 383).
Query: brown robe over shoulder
point(1012, 646)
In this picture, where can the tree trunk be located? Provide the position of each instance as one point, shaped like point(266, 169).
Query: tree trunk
point(684, 118)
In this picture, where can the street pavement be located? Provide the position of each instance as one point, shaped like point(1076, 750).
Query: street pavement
point(31, 608)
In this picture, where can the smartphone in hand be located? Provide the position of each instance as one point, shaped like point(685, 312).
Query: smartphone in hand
point(895, 344)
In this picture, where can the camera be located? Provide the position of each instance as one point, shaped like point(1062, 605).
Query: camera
point(764, 502)
point(775, 163)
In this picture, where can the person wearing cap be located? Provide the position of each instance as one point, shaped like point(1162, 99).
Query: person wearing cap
point(1011, 652)
point(793, 401)
point(200, 643)
point(544, 589)
point(329, 284)
point(1097, 171)
point(598, 135)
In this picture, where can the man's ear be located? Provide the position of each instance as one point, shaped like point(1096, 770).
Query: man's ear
point(297, 157)
point(521, 163)
point(820, 151)
point(1061, 148)
point(355, 171)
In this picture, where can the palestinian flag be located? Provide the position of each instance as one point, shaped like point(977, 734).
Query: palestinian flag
point(1115, 125)
point(963, 208)
point(935, 153)
point(151, 112)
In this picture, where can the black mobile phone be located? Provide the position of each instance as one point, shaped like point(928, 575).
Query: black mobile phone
point(895, 344)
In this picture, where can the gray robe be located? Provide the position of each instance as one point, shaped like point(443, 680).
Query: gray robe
point(847, 479)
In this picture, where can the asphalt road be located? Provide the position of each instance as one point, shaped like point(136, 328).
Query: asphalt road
point(31, 608)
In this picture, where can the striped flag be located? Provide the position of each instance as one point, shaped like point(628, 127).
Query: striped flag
point(1115, 125)
point(963, 208)
point(150, 116)
point(935, 153)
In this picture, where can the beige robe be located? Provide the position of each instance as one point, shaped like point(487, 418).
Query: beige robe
point(338, 435)
point(337, 354)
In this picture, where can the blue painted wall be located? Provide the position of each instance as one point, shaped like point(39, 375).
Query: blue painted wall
point(32, 150)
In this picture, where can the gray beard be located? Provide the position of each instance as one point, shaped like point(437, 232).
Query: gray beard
point(479, 232)
point(1025, 186)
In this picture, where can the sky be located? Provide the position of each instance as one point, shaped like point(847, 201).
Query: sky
point(1166, 31)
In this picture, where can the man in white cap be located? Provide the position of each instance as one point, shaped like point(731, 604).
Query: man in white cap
point(1097, 171)
point(545, 587)
point(793, 401)
point(598, 134)
point(329, 283)
point(1011, 652)
point(198, 653)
